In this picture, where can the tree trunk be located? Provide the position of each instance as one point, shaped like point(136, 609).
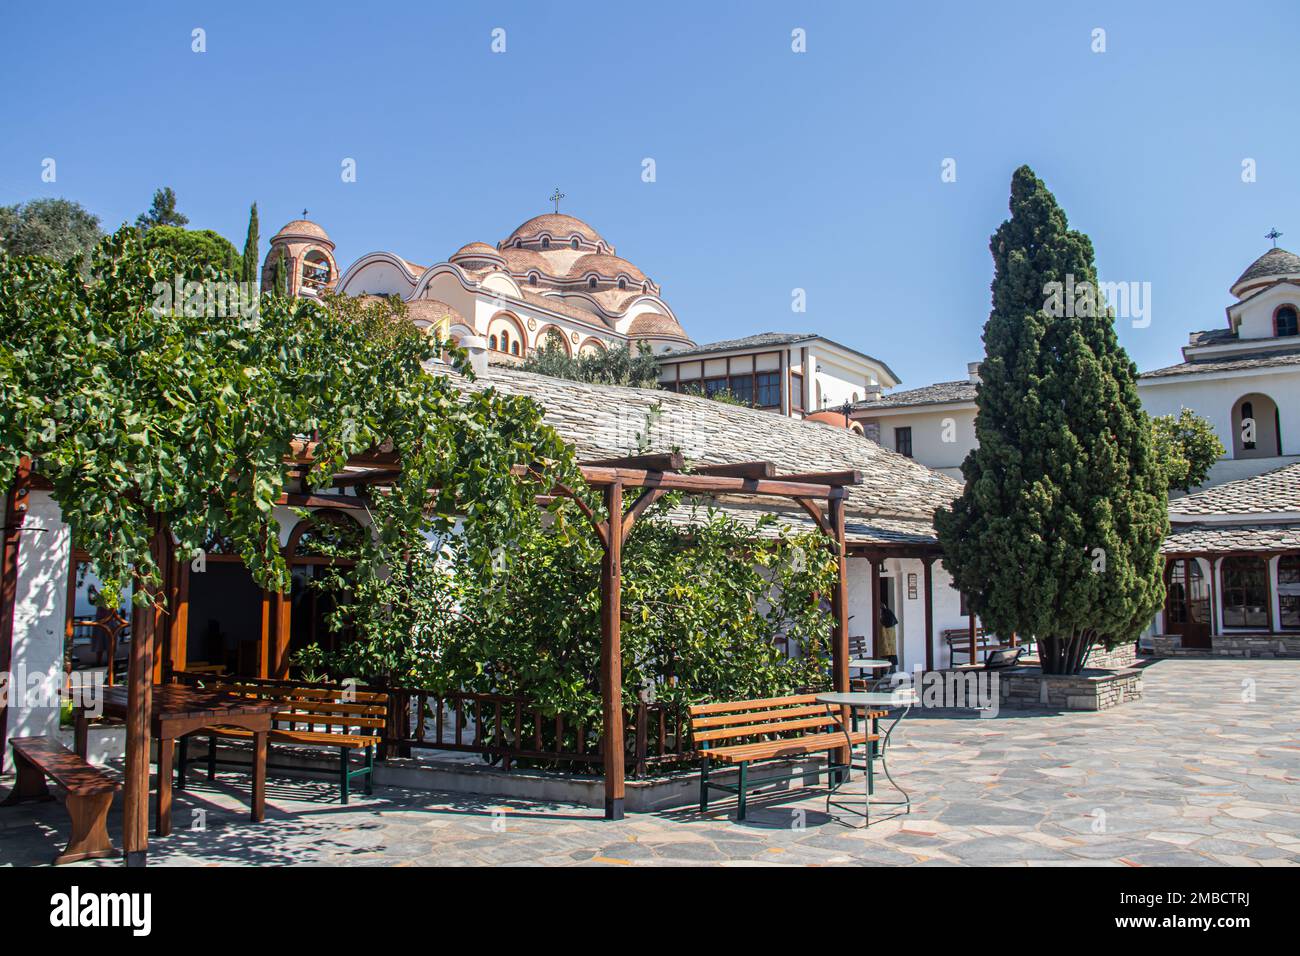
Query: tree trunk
point(1064, 655)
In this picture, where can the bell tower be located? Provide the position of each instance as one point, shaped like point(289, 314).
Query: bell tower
point(304, 254)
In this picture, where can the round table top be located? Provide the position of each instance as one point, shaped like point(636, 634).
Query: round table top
point(869, 662)
point(902, 697)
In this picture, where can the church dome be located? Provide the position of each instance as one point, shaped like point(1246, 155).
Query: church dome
point(477, 255)
point(303, 229)
point(1272, 266)
point(605, 266)
point(559, 228)
point(655, 325)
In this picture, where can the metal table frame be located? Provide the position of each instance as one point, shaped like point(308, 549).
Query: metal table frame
point(874, 750)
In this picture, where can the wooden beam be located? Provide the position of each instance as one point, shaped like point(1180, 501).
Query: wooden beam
point(16, 504)
point(928, 565)
point(670, 461)
point(974, 651)
point(875, 605)
point(647, 498)
point(840, 615)
point(372, 476)
point(753, 470)
point(815, 512)
point(703, 484)
point(282, 606)
point(836, 479)
point(611, 652)
point(323, 501)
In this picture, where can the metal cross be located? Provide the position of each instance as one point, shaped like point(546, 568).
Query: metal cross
point(556, 197)
point(304, 214)
point(1274, 235)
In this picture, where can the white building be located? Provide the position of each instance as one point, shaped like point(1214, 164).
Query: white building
point(1243, 378)
point(793, 374)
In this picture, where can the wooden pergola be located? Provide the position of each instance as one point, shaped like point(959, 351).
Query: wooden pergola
point(821, 495)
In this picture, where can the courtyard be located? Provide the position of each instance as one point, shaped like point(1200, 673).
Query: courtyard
point(1201, 771)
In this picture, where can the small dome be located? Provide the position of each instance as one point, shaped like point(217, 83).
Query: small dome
point(477, 255)
point(657, 325)
point(559, 227)
point(302, 229)
point(1270, 267)
point(609, 267)
point(432, 311)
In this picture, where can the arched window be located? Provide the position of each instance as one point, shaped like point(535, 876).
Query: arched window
point(505, 341)
point(1288, 590)
point(573, 243)
point(514, 348)
point(1248, 430)
point(492, 343)
point(622, 283)
point(645, 286)
point(546, 243)
point(591, 283)
point(1285, 321)
point(519, 243)
point(532, 278)
point(1245, 592)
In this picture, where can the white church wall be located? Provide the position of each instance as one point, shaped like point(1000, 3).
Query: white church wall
point(40, 612)
point(380, 277)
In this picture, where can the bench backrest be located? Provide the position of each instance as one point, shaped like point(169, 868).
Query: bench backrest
point(313, 707)
point(768, 717)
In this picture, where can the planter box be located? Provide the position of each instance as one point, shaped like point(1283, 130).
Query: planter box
point(1242, 644)
point(1093, 689)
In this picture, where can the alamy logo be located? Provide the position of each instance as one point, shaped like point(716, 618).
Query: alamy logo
point(1127, 300)
point(76, 909)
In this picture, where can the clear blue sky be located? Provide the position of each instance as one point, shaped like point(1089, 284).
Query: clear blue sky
point(774, 170)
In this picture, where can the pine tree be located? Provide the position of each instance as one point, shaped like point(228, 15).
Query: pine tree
point(250, 248)
point(162, 212)
point(1057, 534)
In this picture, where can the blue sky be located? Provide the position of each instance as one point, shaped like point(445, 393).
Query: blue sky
point(775, 170)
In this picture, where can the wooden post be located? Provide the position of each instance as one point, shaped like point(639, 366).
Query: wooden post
point(840, 600)
point(1214, 599)
point(611, 650)
point(283, 607)
point(180, 617)
point(139, 700)
point(973, 650)
point(928, 564)
point(267, 636)
point(14, 514)
point(875, 605)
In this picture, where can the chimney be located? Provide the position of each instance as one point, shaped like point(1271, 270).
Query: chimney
point(873, 393)
point(973, 372)
point(476, 346)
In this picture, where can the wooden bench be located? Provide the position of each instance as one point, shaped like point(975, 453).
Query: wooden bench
point(772, 728)
point(310, 715)
point(958, 641)
point(88, 793)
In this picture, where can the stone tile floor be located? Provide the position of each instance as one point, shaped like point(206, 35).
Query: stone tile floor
point(1202, 771)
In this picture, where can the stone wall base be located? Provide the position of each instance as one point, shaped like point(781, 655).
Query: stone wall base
point(1093, 689)
point(1260, 645)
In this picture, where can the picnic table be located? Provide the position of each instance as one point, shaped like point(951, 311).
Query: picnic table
point(178, 710)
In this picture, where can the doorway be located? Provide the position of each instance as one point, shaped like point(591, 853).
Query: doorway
point(1187, 602)
point(888, 599)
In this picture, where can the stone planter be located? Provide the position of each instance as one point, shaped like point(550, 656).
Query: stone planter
point(1093, 689)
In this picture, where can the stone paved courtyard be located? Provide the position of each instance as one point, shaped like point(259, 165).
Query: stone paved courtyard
point(1203, 770)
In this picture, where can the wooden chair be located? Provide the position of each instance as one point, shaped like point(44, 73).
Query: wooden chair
point(88, 793)
point(773, 728)
point(310, 715)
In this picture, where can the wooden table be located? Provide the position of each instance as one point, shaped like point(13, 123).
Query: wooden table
point(179, 710)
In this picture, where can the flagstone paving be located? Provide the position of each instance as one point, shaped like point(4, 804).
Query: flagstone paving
point(1202, 771)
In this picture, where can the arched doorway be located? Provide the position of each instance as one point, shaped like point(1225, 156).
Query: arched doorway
point(314, 547)
point(1187, 602)
point(1256, 427)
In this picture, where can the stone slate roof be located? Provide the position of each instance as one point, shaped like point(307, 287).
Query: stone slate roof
point(939, 393)
point(1211, 337)
point(773, 339)
point(896, 501)
point(1232, 363)
point(1275, 262)
point(1224, 538)
point(1272, 491)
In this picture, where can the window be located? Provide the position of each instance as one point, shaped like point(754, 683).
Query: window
point(532, 278)
point(903, 441)
point(714, 385)
point(742, 386)
point(1245, 592)
point(591, 283)
point(767, 390)
point(796, 391)
point(492, 343)
point(690, 387)
point(514, 347)
point(622, 283)
point(573, 243)
point(1285, 321)
point(1247, 418)
point(1288, 590)
point(546, 243)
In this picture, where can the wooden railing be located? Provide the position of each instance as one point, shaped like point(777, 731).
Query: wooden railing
point(508, 729)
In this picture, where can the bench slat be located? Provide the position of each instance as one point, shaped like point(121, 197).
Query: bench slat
point(759, 704)
point(63, 766)
point(811, 743)
point(728, 720)
point(750, 730)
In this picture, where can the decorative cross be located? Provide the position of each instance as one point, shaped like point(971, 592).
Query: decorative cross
point(1274, 235)
point(304, 213)
point(555, 197)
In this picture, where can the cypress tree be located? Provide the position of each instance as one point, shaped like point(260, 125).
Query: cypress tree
point(1057, 534)
point(250, 247)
